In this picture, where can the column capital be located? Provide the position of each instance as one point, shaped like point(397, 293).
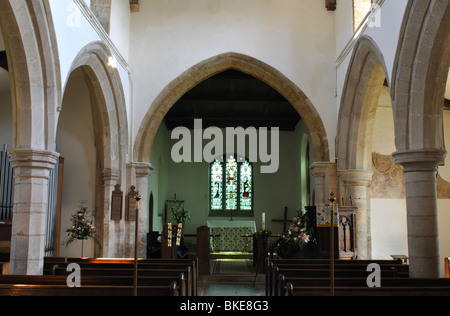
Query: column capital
point(143, 169)
point(34, 160)
point(318, 168)
point(110, 176)
point(420, 159)
point(356, 177)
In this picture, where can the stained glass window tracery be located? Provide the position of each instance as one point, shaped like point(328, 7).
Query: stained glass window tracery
point(231, 185)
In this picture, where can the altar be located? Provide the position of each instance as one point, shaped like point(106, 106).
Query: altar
point(227, 236)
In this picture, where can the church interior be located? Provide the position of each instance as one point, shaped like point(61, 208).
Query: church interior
point(276, 148)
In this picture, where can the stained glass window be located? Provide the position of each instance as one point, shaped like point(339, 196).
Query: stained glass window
point(246, 186)
point(231, 185)
point(216, 186)
point(231, 196)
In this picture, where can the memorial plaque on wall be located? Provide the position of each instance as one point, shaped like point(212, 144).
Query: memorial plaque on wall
point(131, 205)
point(116, 204)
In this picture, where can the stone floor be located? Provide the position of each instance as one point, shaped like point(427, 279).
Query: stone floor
point(215, 289)
point(235, 279)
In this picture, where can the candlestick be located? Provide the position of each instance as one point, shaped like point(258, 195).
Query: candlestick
point(263, 221)
point(136, 234)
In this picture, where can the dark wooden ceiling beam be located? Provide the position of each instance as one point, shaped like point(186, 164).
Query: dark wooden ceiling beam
point(283, 124)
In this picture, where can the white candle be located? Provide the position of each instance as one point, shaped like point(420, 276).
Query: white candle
point(263, 220)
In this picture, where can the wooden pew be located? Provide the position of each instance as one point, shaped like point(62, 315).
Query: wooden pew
point(390, 287)
point(447, 267)
point(112, 273)
point(5, 246)
point(92, 267)
point(91, 290)
point(116, 281)
point(287, 274)
point(320, 268)
point(4, 268)
point(310, 278)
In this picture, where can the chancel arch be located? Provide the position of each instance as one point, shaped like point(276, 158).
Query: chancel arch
point(247, 90)
point(210, 67)
point(107, 112)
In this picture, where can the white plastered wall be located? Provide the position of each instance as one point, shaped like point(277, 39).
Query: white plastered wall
point(294, 37)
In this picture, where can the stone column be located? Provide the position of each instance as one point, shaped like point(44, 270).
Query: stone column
point(31, 175)
point(356, 185)
point(143, 172)
point(325, 181)
point(420, 168)
point(110, 234)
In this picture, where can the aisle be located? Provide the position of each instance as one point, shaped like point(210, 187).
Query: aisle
point(233, 290)
point(232, 277)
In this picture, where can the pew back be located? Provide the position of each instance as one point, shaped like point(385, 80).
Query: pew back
point(125, 267)
point(91, 290)
point(447, 267)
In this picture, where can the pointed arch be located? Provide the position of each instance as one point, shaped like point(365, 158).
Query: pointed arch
point(107, 93)
point(33, 60)
point(420, 74)
point(210, 67)
point(110, 132)
point(363, 85)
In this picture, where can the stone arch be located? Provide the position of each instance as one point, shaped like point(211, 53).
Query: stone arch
point(418, 85)
point(33, 64)
point(210, 67)
point(33, 60)
point(107, 94)
point(111, 135)
point(363, 85)
point(420, 73)
point(365, 78)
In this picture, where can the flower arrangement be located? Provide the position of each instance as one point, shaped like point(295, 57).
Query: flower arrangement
point(82, 227)
point(299, 233)
point(180, 214)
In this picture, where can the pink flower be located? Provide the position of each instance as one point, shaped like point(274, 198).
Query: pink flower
point(303, 237)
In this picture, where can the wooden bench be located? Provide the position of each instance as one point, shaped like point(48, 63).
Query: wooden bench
point(125, 267)
point(447, 267)
point(91, 290)
point(392, 287)
point(5, 246)
point(287, 274)
point(320, 268)
point(116, 281)
point(4, 268)
point(312, 278)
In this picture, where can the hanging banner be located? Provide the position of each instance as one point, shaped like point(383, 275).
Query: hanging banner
point(323, 215)
point(169, 235)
